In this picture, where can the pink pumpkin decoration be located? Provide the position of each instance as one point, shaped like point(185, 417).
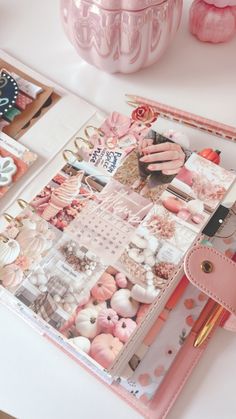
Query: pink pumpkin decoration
point(107, 319)
point(121, 280)
point(221, 3)
point(210, 23)
point(105, 348)
point(104, 288)
point(124, 329)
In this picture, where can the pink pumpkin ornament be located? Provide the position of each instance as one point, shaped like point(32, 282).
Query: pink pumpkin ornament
point(104, 288)
point(121, 280)
point(107, 319)
point(105, 348)
point(221, 3)
point(210, 23)
point(124, 329)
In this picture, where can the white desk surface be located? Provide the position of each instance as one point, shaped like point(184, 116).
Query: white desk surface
point(37, 381)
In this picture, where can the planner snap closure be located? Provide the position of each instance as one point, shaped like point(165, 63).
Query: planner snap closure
point(207, 266)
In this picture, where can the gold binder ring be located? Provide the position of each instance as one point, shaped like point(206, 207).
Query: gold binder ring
point(24, 204)
point(67, 154)
point(87, 142)
point(9, 219)
point(97, 130)
point(3, 238)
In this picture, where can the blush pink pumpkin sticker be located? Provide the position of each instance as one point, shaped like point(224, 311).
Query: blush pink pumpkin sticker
point(212, 21)
point(124, 329)
point(107, 320)
point(104, 288)
point(221, 3)
point(105, 348)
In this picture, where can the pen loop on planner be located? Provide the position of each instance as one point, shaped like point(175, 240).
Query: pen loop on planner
point(24, 204)
point(70, 157)
point(79, 139)
point(11, 219)
point(3, 238)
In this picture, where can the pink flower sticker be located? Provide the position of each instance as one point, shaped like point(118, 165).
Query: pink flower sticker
point(190, 321)
point(159, 371)
point(144, 379)
point(189, 303)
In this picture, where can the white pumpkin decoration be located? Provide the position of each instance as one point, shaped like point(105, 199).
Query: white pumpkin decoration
point(86, 323)
point(32, 243)
point(123, 303)
point(9, 251)
point(144, 295)
point(11, 276)
point(82, 343)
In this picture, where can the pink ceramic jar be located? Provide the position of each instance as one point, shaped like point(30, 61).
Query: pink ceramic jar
point(121, 35)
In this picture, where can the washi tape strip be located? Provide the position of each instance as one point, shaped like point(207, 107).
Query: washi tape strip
point(8, 92)
point(22, 101)
point(27, 87)
point(11, 114)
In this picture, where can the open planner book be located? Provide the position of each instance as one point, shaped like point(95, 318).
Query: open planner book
point(110, 260)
